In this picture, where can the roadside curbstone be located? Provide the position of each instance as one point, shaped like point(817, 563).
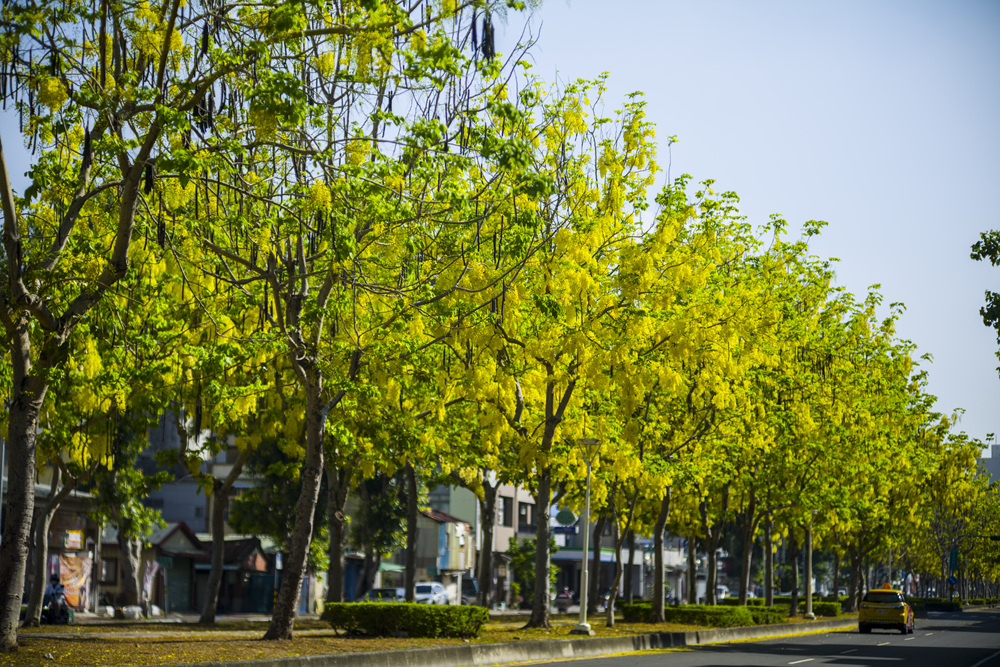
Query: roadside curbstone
point(480, 655)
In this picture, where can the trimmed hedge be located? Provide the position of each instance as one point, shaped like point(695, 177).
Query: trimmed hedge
point(825, 608)
point(735, 602)
point(387, 619)
point(691, 614)
point(767, 615)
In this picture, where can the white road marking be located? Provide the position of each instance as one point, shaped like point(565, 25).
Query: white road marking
point(928, 634)
point(850, 650)
point(800, 661)
point(909, 639)
point(883, 644)
point(987, 659)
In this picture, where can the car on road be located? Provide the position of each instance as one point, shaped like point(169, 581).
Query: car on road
point(385, 595)
point(885, 608)
point(431, 593)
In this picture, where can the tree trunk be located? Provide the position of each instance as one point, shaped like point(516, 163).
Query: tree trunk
point(609, 609)
point(220, 491)
point(618, 539)
point(769, 562)
point(594, 575)
point(627, 583)
point(713, 535)
point(659, 590)
point(219, 503)
point(692, 580)
point(410, 555)
point(540, 603)
point(369, 567)
point(27, 394)
point(793, 556)
point(305, 511)
point(854, 592)
point(711, 574)
point(57, 493)
point(750, 520)
point(836, 574)
point(487, 519)
point(130, 550)
point(339, 480)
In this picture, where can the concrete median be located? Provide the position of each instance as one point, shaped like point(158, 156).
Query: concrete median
point(479, 655)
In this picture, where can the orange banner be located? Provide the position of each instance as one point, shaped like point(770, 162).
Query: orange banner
point(74, 572)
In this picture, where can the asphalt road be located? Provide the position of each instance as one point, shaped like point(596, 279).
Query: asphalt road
point(969, 639)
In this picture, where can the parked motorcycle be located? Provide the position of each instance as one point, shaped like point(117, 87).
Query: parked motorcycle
point(55, 608)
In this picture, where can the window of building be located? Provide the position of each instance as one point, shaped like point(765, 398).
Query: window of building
point(506, 511)
point(525, 517)
point(109, 570)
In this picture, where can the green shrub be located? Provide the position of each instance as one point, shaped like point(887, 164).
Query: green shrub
point(977, 601)
point(386, 619)
point(767, 615)
point(826, 608)
point(638, 612)
point(723, 617)
point(735, 602)
point(936, 604)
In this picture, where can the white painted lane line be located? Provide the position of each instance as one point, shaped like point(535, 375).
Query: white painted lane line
point(986, 659)
point(909, 639)
point(850, 650)
point(928, 634)
point(801, 661)
point(883, 644)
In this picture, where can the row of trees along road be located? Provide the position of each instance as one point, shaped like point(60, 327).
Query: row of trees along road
point(354, 232)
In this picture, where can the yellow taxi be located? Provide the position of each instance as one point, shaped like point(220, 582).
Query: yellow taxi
point(885, 608)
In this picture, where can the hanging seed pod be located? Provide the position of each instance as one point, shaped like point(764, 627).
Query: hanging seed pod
point(390, 96)
point(204, 38)
point(161, 232)
point(87, 155)
point(147, 185)
point(475, 38)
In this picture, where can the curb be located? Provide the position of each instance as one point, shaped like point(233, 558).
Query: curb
point(480, 655)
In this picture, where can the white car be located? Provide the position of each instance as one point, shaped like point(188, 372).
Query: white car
point(431, 593)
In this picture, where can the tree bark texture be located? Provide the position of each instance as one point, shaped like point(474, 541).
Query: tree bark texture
point(130, 549)
point(594, 574)
point(854, 588)
point(410, 555)
point(659, 590)
point(750, 520)
point(487, 519)
point(27, 396)
point(793, 558)
point(540, 602)
point(769, 561)
point(220, 501)
point(627, 582)
point(339, 484)
point(305, 510)
point(57, 494)
point(692, 573)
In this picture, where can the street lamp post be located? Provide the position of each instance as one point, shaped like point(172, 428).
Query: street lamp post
point(583, 628)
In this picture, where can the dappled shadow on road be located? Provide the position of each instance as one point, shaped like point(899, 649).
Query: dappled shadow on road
point(968, 621)
point(869, 650)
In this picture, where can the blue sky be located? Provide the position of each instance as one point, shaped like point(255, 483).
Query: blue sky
point(881, 118)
